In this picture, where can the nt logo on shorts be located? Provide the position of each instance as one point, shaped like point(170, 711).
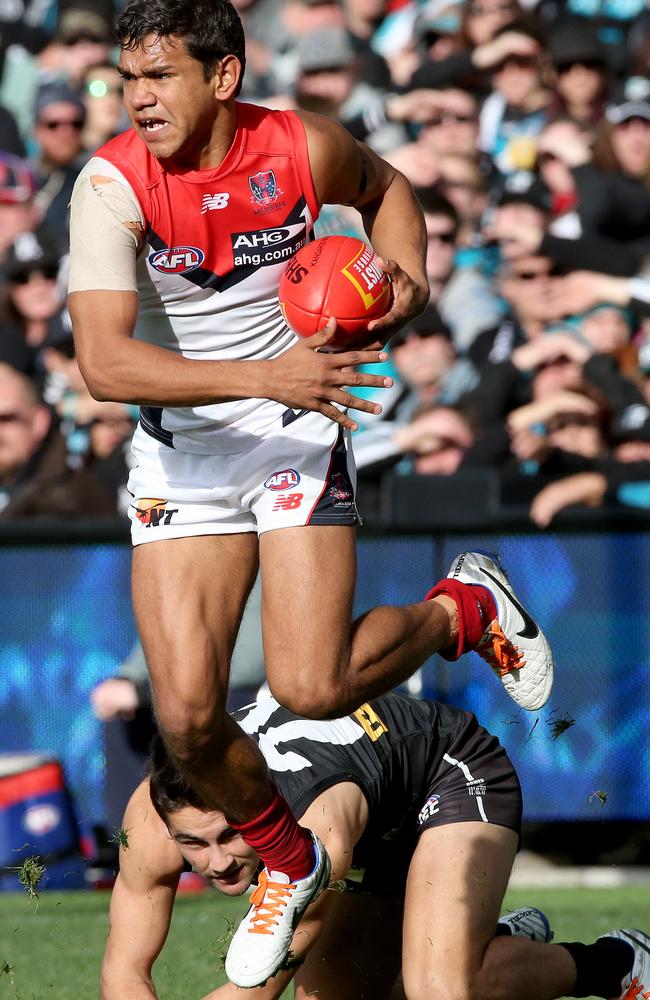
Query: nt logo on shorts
point(151, 513)
point(285, 479)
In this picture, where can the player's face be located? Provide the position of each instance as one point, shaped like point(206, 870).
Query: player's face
point(214, 849)
point(172, 107)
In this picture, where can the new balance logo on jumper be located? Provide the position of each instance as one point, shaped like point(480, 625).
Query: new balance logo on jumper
point(213, 201)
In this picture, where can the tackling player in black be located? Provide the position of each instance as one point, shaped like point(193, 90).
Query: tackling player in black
point(427, 803)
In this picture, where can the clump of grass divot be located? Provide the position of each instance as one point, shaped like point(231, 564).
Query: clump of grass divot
point(222, 943)
point(559, 726)
point(7, 970)
point(121, 838)
point(30, 875)
point(600, 795)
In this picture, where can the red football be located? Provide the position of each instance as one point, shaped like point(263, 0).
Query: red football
point(334, 276)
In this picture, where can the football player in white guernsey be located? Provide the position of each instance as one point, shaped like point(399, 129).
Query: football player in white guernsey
point(427, 802)
point(241, 453)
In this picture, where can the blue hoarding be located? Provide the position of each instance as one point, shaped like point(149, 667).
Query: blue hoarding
point(66, 623)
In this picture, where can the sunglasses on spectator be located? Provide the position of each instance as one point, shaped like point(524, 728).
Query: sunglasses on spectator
point(554, 272)
point(448, 116)
point(566, 67)
point(50, 273)
point(521, 62)
point(56, 123)
point(441, 237)
point(479, 10)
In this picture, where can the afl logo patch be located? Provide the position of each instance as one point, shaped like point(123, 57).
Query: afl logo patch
point(282, 480)
point(176, 260)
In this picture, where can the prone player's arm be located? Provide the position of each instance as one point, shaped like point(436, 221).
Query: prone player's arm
point(141, 903)
point(106, 235)
point(347, 172)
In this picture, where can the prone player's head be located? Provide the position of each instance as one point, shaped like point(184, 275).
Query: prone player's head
point(180, 60)
point(203, 836)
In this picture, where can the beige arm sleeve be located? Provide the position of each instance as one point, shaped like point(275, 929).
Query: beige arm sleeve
point(106, 231)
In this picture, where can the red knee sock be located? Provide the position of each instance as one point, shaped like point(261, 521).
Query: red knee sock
point(281, 843)
point(476, 609)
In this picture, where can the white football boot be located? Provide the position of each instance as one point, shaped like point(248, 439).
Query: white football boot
point(513, 644)
point(528, 922)
point(260, 945)
point(636, 985)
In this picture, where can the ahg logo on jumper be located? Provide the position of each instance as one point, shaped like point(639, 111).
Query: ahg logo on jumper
point(262, 247)
point(176, 260)
point(283, 480)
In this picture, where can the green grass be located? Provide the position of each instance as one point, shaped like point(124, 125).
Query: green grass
point(54, 951)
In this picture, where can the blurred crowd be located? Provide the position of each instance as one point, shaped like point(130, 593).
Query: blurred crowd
point(525, 131)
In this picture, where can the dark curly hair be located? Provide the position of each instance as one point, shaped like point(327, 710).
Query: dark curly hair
point(168, 788)
point(210, 29)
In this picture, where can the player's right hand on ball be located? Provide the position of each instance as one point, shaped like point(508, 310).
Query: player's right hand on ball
point(309, 377)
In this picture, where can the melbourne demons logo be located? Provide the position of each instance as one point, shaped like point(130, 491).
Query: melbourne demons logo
point(176, 260)
point(283, 480)
point(264, 187)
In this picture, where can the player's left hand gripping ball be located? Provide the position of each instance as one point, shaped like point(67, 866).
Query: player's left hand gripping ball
point(335, 276)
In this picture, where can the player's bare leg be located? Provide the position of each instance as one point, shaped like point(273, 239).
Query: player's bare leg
point(317, 664)
point(188, 596)
point(457, 880)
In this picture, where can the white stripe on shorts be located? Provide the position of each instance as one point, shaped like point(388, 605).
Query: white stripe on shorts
point(468, 777)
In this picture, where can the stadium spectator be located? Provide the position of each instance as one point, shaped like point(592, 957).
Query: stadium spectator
point(18, 214)
point(58, 126)
point(526, 284)
point(102, 97)
point(35, 480)
point(35, 300)
point(623, 145)
point(581, 72)
point(427, 372)
point(478, 47)
point(519, 106)
point(391, 797)
point(463, 295)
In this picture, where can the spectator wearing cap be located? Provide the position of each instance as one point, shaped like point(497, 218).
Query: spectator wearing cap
point(35, 481)
point(328, 82)
point(623, 143)
point(581, 72)
point(59, 117)
point(33, 319)
point(18, 214)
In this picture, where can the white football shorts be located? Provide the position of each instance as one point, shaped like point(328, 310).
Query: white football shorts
point(299, 471)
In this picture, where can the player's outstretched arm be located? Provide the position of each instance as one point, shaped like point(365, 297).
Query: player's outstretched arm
point(141, 903)
point(347, 172)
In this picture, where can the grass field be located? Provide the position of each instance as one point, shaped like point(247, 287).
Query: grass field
point(52, 951)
